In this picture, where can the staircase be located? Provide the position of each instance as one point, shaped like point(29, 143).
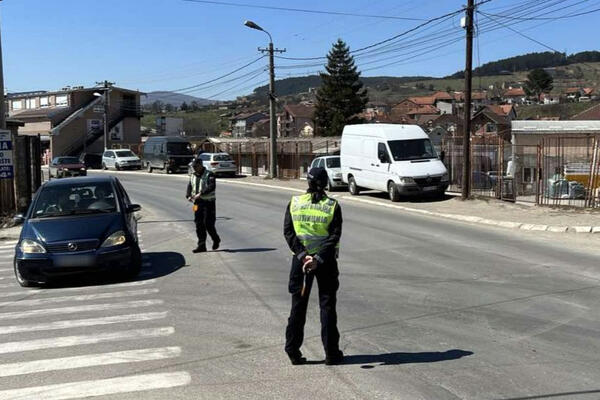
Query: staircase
point(77, 147)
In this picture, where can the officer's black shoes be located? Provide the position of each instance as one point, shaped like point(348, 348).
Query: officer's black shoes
point(296, 358)
point(216, 244)
point(199, 249)
point(335, 358)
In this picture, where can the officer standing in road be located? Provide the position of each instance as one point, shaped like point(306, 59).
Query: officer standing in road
point(312, 229)
point(201, 192)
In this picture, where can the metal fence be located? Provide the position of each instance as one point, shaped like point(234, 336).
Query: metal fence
point(560, 171)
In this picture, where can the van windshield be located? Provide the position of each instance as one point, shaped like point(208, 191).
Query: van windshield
point(413, 149)
point(180, 149)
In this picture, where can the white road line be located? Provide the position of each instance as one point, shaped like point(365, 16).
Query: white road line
point(77, 323)
point(83, 297)
point(73, 289)
point(88, 360)
point(79, 340)
point(6, 270)
point(79, 309)
point(99, 387)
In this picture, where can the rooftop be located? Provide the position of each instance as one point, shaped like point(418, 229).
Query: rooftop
point(538, 127)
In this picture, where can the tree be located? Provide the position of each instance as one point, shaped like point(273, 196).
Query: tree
point(341, 97)
point(538, 82)
point(184, 106)
point(195, 106)
point(431, 87)
point(169, 107)
point(157, 107)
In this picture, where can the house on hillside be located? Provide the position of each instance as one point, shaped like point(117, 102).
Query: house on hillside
point(444, 102)
point(549, 98)
point(71, 120)
point(515, 96)
point(493, 122)
point(294, 118)
point(241, 124)
point(478, 100)
point(373, 109)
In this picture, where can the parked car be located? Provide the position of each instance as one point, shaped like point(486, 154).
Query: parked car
point(170, 154)
point(399, 159)
point(121, 159)
point(333, 168)
point(91, 161)
point(219, 163)
point(77, 226)
point(61, 167)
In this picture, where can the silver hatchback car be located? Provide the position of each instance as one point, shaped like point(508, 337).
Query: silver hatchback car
point(219, 163)
point(333, 168)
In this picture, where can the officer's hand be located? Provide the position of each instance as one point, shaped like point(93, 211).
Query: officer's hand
point(309, 265)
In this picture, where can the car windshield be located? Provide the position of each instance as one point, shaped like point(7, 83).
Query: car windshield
point(179, 148)
point(222, 157)
point(333, 162)
point(413, 149)
point(75, 199)
point(68, 160)
point(125, 153)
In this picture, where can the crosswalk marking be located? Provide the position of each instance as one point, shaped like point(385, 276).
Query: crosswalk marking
point(77, 323)
point(6, 270)
point(78, 309)
point(88, 360)
point(99, 387)
point(78, 340)
point(84, 297)
point(72, 289)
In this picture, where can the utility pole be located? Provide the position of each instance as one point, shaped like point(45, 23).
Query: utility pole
point(466, 175)
point(2, 105)
point(272, 110)
point(106, 92)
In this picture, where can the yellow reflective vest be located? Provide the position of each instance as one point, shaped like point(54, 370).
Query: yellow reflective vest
point(198, 184)
point(311, 221)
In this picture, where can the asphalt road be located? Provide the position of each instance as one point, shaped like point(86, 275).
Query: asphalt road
point(428, 309)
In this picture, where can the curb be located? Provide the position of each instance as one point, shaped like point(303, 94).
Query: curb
point(455, 217)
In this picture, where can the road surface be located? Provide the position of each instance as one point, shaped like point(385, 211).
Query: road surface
point(428, 309)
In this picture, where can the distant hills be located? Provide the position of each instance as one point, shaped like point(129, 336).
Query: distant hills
point(173, 98)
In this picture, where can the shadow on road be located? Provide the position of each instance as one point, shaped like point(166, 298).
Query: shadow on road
point(408, 199)
point(404, 358)
point(179, 220)
point(154, 265)
point(249, 250)
point(551, 395)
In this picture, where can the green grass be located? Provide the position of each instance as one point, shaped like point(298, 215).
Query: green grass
point(564, 111)
point(195, 123)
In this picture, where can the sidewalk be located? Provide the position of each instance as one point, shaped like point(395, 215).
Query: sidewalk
point(479, 211)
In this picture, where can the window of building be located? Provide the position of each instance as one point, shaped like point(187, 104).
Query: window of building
point(44, 102)
point(17, 105)
point(30, 104)
point(62, 101)
point(490, 128)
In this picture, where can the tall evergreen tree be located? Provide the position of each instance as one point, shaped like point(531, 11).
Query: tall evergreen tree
point(341, 96)
point(538, 82)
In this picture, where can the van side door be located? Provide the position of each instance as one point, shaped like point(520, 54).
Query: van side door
point(381, 172)
point(367, 177)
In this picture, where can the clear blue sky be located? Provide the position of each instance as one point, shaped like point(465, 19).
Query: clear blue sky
point(170, 44)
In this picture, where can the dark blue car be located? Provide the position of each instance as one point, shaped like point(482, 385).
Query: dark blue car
point(78, 226)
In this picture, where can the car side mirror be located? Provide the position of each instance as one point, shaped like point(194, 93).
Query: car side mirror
point(19, 219)
point(133, 208)
point(442, 155)
point(383, 158)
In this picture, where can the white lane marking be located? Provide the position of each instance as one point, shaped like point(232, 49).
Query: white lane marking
point(79, 309)
point(88, 360)
point(99, 387)
point(78, 340)
point(83, 297)
point(77, 323)
point(6, 270)
point(73, 289)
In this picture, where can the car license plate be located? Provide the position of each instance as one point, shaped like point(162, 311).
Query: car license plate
point(429, 188)
point(225, 165)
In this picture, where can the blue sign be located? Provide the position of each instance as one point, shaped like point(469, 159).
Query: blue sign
point(6, 156)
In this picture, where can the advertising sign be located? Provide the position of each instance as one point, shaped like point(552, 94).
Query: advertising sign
point(6, 156)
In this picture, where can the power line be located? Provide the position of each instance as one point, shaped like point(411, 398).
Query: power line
point(546, 18)
point(301, 10)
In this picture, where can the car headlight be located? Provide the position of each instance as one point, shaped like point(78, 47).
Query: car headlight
point(445, 177)
point(407, 181)
point(338, 175)
point(115, 239)
point(29, 246)
point(82, 168)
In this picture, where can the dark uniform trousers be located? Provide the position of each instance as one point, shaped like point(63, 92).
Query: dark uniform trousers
point(205, 218)
point(327, 279)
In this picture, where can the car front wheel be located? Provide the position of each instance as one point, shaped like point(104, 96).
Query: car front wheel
point(22, 281)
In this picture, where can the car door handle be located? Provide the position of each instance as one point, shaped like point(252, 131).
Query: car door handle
point(373, 165)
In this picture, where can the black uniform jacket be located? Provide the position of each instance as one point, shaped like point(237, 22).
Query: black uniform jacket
point(328, 253)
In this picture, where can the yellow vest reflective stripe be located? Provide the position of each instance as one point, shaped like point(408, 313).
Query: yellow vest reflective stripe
point(311, 221)
point(201, 185)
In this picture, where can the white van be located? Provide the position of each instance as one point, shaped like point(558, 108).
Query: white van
point(399, 159)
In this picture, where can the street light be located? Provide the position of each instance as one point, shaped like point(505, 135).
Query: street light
point(273, 127)
point(105, 122)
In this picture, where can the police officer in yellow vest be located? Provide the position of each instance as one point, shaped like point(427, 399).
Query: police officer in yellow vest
point(312, 229)
point(201, 192)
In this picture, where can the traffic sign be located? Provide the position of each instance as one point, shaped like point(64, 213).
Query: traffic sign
point(6, 156)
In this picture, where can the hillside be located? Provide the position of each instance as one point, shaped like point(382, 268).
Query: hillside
point(175, 99)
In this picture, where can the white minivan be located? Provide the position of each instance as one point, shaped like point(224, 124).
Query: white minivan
point(398, 159)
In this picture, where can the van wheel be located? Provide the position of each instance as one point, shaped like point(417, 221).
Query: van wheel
point(149, 168)
point(393, 192)
point(104, 167)
point(352, 187)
